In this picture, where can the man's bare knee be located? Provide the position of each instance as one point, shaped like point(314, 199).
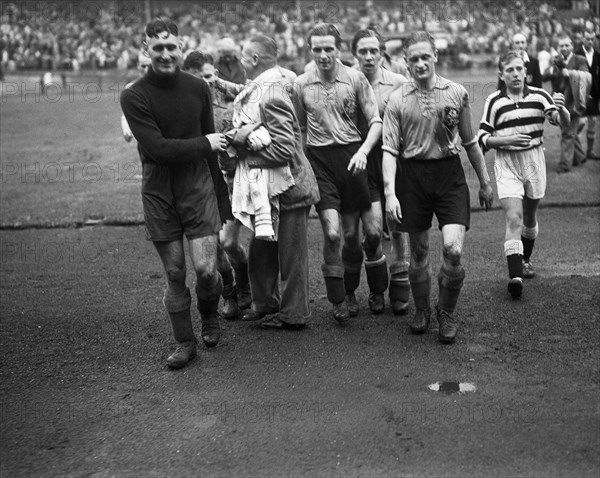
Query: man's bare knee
point(372, 240)
point(175, 274)
point(333, 238)
point(452, 253)
point(514, 220)
point(204, 272)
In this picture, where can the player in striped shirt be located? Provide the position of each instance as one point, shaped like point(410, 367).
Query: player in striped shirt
point(513, 125)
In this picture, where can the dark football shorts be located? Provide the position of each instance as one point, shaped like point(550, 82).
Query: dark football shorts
point(339, 188)
point(179, 200)
point(375, 173)
point(427, 187)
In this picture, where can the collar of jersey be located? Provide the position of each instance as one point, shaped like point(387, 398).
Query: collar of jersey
point(162, 81)
point(440, 84)
point(504, 90)
point(341, 75)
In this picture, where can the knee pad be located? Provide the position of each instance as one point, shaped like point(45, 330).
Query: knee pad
point(211, 289)
point(177, 302)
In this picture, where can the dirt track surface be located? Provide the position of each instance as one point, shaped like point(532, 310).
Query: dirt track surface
point(85, 391)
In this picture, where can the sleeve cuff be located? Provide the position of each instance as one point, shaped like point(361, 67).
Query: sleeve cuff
point(390, 150)
point(469, 143)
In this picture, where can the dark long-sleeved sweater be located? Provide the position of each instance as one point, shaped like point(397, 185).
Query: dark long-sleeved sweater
point(169, 117)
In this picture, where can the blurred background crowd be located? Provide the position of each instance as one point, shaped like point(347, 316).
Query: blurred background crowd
point(83, 35)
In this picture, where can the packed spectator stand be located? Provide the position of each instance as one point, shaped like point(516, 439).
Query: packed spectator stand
point(82, 35)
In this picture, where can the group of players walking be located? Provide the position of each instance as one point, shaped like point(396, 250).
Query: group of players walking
point(362, 144)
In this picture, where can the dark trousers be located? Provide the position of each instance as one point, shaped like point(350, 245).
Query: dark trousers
point(571, 150)
point(289, 258)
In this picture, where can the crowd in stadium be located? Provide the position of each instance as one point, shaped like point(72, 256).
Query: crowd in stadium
point(74, 36)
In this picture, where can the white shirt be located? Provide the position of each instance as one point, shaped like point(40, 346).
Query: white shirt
point(589, 56)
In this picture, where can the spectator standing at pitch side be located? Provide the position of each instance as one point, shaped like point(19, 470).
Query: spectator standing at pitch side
point(171, 117)
point(569, 72)
point(232, 258)
point(142, 66)
point(592, 112)
point(532, 65)
point(278, 269)
point(228, 64)
point(328, 100)
point(425, 121)
point(367, 48)
point(513, 125)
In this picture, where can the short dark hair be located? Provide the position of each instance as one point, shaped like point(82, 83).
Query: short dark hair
point(507, 57)
point(418, 37)
point(367, 33)
point(159, 25)
point(267, 47)
point(324, 29)
point(196, 60)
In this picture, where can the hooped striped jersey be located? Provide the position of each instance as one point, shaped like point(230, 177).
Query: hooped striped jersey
point(504, 117)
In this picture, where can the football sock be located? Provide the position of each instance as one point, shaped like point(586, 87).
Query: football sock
point(352, 261)
point(450, 283)
point(528, 237)
point(420, 285)
point(227, 277)
point(377, 275)
point(334, 282)
point(513, 249)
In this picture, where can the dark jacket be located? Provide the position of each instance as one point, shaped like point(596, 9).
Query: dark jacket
point(594, 100)
point(278, 116)
point(534, 75)
point(561, 84)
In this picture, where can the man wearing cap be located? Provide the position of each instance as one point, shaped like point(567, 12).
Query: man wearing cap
point(229, 66)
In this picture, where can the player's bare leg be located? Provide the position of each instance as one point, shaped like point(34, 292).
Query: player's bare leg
point(230, 309)
point(399, 284)
point(529, 234)
point(450, 281)
point(375, 263)
point(352, 259)
point(203, 252)
point(230, 239)
point(420, 280)
point(332, 268)
point(513, 246)
point(177, 300)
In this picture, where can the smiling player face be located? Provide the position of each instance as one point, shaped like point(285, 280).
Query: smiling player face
point(164, 52)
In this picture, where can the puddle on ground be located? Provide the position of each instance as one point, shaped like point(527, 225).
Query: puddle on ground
point(452, 387)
